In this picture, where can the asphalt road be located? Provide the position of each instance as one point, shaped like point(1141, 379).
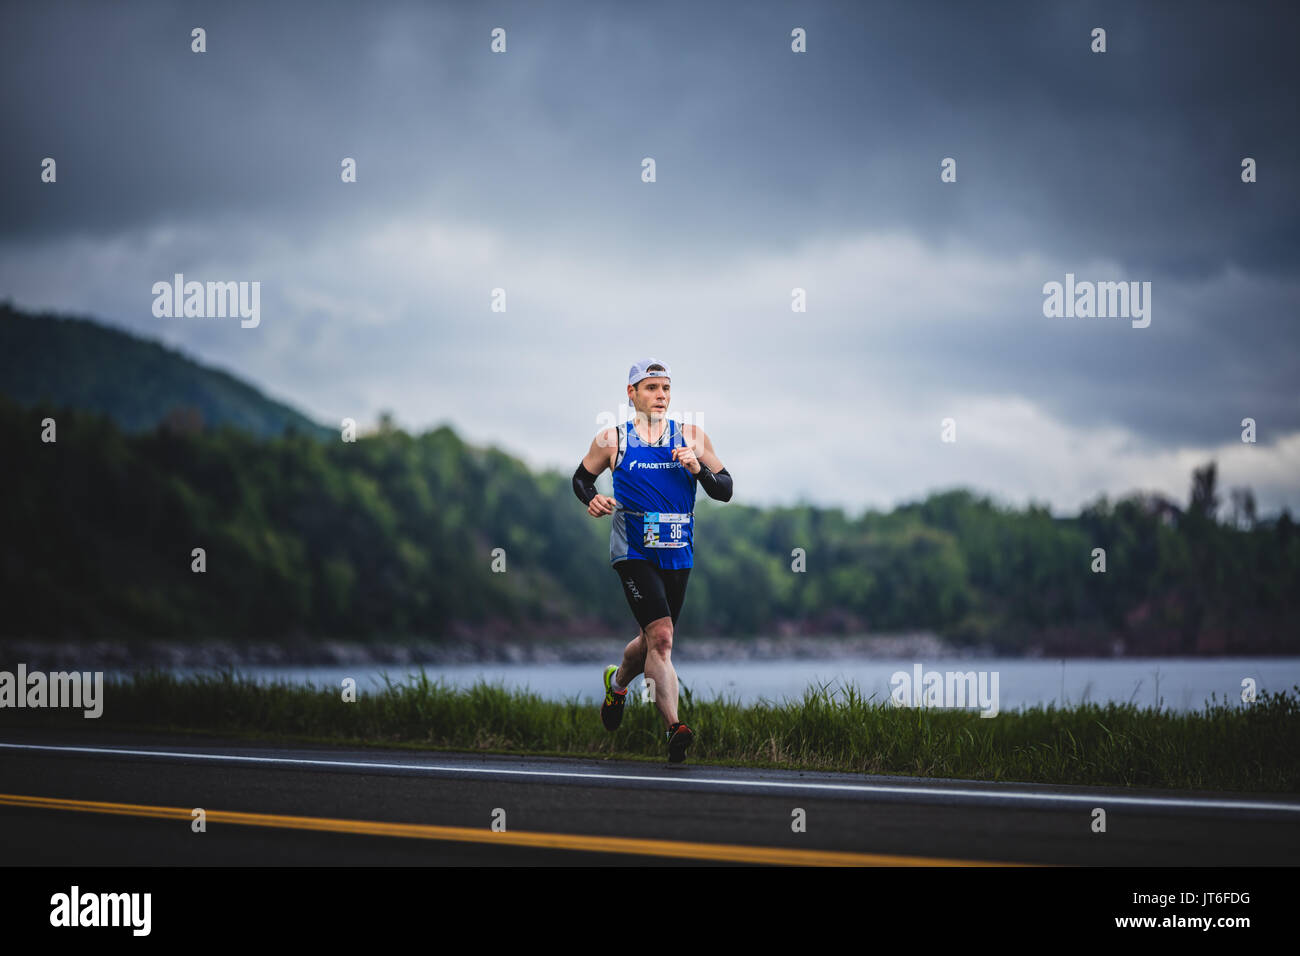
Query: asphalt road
point(91, 798)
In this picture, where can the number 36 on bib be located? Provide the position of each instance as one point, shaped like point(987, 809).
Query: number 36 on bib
point(664, 530)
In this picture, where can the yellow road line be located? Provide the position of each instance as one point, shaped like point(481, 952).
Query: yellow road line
point(730, 853)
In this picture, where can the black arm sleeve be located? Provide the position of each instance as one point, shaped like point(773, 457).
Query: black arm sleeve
point(717, 486)
point(584, 484)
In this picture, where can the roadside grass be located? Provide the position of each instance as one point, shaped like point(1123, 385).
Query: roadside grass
point(1221, 747)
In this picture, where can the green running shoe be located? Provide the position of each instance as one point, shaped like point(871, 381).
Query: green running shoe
point(611, 711)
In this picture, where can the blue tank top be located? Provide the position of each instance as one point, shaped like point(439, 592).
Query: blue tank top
point(655, 496)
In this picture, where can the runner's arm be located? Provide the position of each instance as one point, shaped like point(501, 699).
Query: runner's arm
point(712, 476)
point(715, 484)
point(584, 484)
point(593, 463)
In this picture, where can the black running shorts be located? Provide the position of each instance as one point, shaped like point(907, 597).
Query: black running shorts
point(652, 592)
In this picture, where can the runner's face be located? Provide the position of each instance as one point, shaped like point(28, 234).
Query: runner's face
point(651, 396)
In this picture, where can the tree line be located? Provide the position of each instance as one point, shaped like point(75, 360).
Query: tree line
point(401, 536)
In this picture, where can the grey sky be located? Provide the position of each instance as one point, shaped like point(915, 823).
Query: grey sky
point(775, 170)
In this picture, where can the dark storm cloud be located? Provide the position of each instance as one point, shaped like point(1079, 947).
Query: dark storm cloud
point(1133, 154)
point(1122, 166)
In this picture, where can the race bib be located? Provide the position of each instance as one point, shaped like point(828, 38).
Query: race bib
point(664, 530)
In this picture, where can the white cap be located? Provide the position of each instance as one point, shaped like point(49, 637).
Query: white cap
point(639, 371)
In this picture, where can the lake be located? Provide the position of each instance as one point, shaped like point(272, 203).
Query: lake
point(1174, 683)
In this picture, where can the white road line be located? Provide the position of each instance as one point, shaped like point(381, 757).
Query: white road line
point(1000, 795)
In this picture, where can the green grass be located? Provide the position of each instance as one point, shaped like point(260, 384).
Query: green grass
point(1221, 747)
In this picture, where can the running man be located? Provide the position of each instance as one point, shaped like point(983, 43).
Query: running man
point(656, 464)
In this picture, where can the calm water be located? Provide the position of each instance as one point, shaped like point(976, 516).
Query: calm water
point(1179, 684)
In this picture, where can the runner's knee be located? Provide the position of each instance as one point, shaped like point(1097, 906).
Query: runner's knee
point(659, 635)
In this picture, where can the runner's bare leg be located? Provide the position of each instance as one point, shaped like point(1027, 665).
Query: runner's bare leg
point(659, 667)
point(633, 661)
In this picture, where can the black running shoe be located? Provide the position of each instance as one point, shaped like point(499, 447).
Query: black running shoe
point(611, 711)
point(679, 738)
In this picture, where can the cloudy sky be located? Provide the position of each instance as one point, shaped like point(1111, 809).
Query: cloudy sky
point(775, 170)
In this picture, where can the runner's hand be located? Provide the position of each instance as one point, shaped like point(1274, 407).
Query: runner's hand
point(687, 457)
point(600, 506)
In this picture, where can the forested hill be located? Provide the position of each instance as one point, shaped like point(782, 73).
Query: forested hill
point(422, 536)
point(393, 536)
point(135, 382)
